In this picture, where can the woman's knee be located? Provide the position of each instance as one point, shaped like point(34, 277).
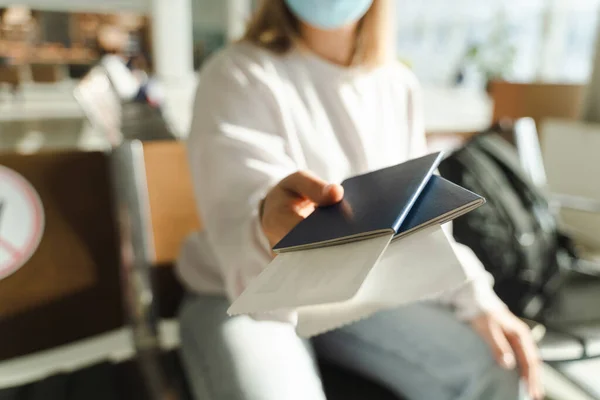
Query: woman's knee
point(198, 309)
point(228, 357)
point(195, 324)
point(476, 373)
point(485, 379)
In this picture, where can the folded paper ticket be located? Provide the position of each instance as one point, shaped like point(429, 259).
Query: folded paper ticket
point(336, 285)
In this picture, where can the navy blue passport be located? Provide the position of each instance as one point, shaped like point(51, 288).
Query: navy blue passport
point(374, 204)
point(441, 201)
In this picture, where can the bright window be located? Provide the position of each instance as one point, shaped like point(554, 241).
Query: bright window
point(549, 40)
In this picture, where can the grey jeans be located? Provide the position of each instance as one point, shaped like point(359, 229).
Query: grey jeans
point(419, 351)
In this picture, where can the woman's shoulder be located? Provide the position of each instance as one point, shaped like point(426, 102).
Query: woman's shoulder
point(400, 75)
point(238, 60)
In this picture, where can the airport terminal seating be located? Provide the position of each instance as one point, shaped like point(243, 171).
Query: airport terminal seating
point(64, 331)
point(559, 154)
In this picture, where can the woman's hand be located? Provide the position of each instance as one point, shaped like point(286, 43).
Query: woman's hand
point(292, 200)
point(511, 342)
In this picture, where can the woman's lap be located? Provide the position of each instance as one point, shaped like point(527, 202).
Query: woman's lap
point(238, 358)
point(420, 351)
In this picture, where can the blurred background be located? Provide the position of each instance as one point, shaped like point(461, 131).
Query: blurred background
point(94, 98)
point(47, 46)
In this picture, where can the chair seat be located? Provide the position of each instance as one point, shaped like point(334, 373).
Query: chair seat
point(583, 374)
point(573, 322)
point(557, 346)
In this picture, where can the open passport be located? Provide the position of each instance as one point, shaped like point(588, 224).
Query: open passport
point(381, 247)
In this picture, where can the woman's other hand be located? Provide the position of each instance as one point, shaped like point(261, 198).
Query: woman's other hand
point(512, 345)
point(292, 200)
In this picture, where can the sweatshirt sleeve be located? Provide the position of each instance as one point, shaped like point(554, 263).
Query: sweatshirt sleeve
point(476, 296)
point(237, 153)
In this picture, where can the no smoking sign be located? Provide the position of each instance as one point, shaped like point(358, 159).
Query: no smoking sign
point(21, 221)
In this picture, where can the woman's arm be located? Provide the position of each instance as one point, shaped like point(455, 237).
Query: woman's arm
point(237, 154)
point(249, 190)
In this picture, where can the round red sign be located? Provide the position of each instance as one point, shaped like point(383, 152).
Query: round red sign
point(21, 221)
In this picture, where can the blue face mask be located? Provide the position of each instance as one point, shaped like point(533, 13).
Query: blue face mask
point(329, 14)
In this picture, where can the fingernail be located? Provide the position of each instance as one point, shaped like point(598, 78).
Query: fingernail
point(327, 190)
point(508, 361)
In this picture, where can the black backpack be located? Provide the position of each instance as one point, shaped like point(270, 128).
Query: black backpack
point(515, 233)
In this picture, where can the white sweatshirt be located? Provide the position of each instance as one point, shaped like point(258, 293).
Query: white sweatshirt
point(259, 117)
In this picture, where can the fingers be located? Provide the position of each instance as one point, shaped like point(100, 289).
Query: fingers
point(279, 220)
point(292, 200)
point(303, 207)
point(333, 194)
point(509, 338)
point(305, 184)
point(526, 351)
point(501, 348)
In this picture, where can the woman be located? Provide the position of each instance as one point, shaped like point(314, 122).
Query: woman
point(310, 96)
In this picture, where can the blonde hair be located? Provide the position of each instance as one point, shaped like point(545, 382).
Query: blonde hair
point(275, 28)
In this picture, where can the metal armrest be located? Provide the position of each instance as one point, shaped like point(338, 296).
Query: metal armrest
point(590, 207)
point(576, 203)
point(588, 267)
point(130, 189)
point(538, 331)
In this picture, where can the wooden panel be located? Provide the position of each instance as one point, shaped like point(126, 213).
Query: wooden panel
point(536, 100)
point(10, 74)
point(46, 73)
point(171, 197)
point(70, 288)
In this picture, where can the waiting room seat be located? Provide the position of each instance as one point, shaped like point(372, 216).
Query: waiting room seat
point(572, 165)
point(558, 152)
point(570, 151)
point(545, 104)
point(63, 331)
point(75, 267)
point(10, 74)
point(563, 161)
point(536, 100)
point(47, 73)
point(157, 205)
